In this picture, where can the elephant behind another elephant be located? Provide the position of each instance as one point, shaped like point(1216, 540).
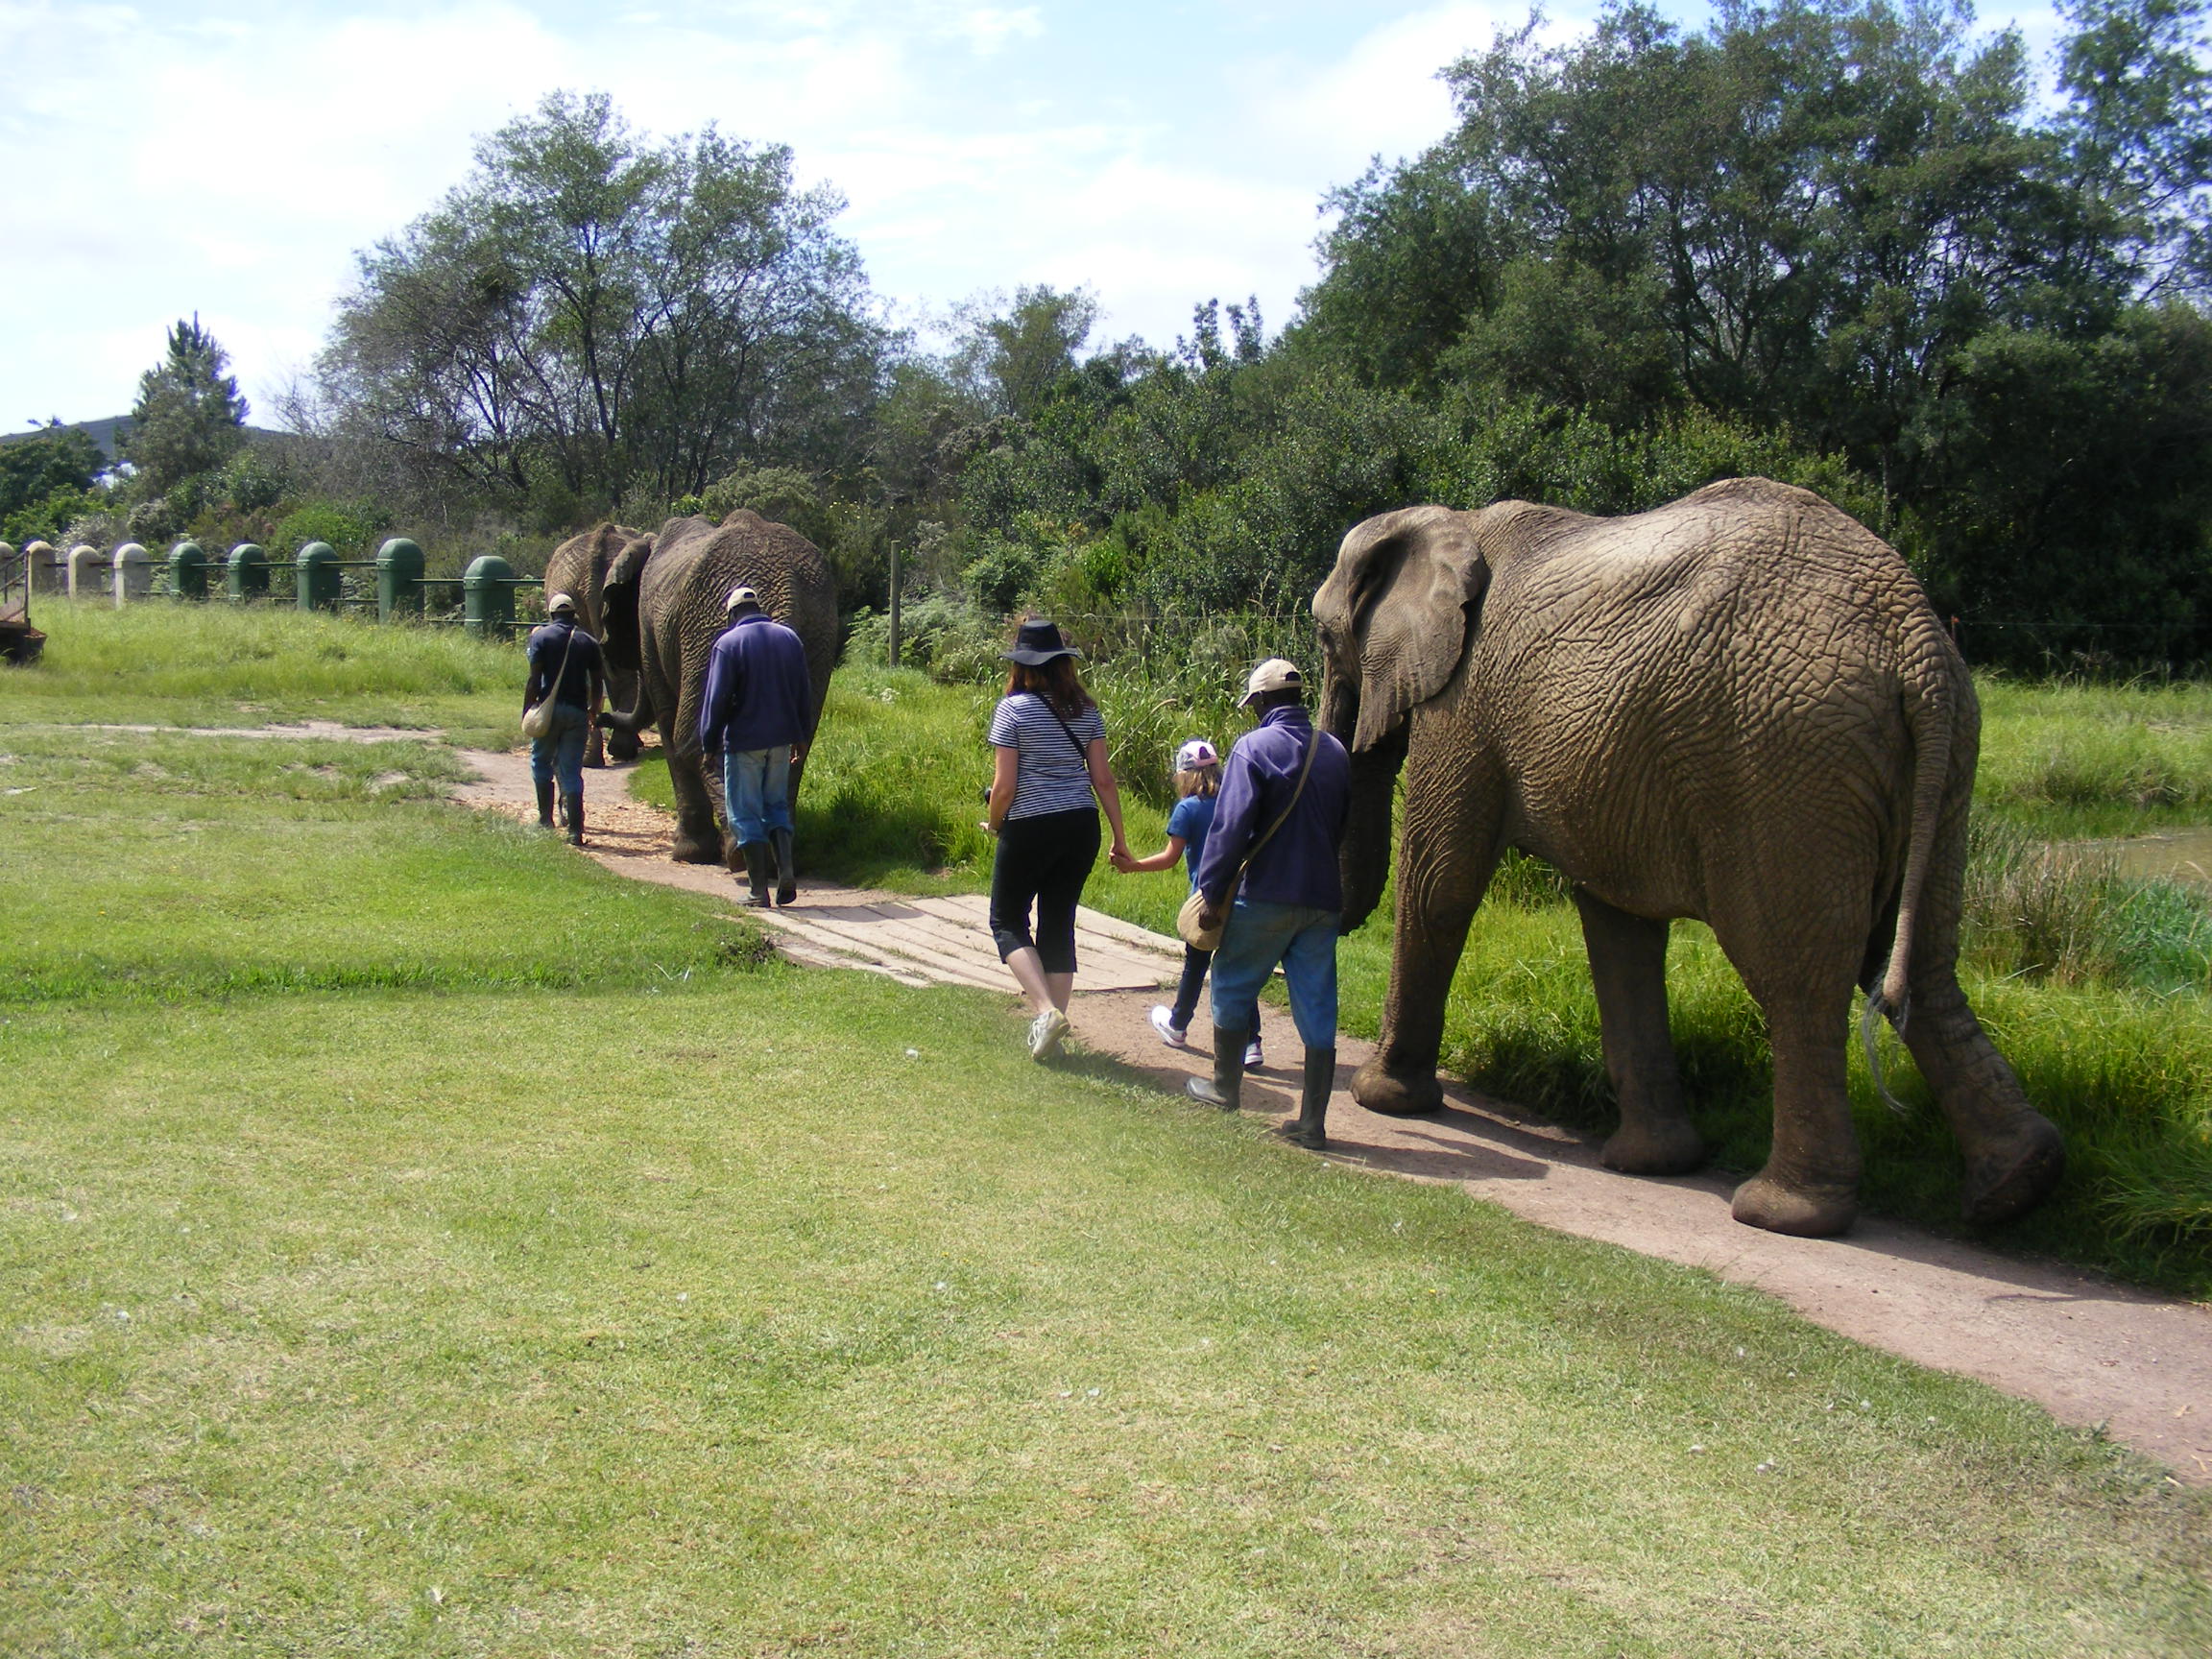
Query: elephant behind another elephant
point(1740, 708)
point(579, 569)
point(672, 605)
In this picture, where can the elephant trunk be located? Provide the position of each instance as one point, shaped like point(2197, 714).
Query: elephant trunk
point(1364, 862)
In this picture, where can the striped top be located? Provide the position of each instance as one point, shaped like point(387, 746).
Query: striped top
point(1053, 778)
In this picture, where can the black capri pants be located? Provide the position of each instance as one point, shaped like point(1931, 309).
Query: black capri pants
point(1044, 859)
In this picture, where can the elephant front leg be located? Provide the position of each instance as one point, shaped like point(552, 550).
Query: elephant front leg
point(1628, 967)
point(1443, 867)
point(1810, 1186)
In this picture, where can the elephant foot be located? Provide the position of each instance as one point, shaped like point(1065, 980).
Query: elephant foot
point(595, 759)
point(691, 847)
point(2009, 1177)
point(1393, 1095)
point(1765, 1202)
point(1666, 1147)
point(621, 747)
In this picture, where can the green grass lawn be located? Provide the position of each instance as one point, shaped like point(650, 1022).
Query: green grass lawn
point(523, 1299)
point(215, 665)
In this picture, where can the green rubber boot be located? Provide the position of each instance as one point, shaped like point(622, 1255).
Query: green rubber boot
point(1225, 1090)
point(757, 871)
point(1306, 1128)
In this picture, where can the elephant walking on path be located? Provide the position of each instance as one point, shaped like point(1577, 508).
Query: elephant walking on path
point(579, 567)
point(677, 598)
point(1739, 707)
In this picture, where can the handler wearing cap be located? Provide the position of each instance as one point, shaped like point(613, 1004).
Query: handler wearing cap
point(756, 712)
point(1286, 793)
point(564, 666)
point(1048, 781)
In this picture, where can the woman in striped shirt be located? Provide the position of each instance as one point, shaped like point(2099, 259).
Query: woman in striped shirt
point(1049, 781)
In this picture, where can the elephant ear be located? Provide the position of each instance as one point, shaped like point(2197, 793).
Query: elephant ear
point(1401, 602)
point(627, 565)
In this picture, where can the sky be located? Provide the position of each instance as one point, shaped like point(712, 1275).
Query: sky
point(229, 159)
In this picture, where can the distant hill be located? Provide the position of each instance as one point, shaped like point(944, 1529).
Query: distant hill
point(109, 432)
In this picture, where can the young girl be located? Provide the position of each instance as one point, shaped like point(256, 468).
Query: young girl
point(1197, 781)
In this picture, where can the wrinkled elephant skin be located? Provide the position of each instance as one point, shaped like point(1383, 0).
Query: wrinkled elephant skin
point(1740, 708)
point(677, 595)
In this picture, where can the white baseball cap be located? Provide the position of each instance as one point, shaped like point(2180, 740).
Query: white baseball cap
point(1275, 674)
point(559, 603)
point(740, 596)
point(1196, 755)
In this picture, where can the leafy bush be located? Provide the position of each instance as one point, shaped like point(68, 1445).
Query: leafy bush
point(348, 527)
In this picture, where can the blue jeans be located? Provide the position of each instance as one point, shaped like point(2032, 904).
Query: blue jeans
point(560, 753)
point(1259, 935)
point(757, 791)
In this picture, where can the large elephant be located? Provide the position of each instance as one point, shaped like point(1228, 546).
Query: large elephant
point(579, 569)
point(671, 603)
point(1739, 707)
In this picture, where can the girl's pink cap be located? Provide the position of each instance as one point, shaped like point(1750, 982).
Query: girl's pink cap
point(1196, 755)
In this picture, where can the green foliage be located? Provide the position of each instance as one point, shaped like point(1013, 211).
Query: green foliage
point(189, 414)
point(348, 527)
point(592, 320)
point(46, 483)
point(1841, 224)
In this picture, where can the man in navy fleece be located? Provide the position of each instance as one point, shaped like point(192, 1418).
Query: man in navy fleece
point(1291, 784)
point(757, 710)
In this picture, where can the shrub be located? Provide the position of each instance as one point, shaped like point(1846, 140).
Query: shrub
point(348, 527)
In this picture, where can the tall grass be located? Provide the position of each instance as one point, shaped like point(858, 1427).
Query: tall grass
point(2072, 761)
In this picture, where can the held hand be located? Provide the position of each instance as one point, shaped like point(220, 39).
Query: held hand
point(1121, 861)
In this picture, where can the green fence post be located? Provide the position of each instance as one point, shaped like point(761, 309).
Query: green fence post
point(187, 571)
point(320, 583)
point(249, 577)
point(398, 579)
point(488, 596)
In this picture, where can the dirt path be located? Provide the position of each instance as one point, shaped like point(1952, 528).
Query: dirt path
point(2087, 1350)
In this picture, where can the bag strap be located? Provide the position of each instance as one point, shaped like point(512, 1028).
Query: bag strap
point(554, 690)
point(1281, 818)
point(1081, 754)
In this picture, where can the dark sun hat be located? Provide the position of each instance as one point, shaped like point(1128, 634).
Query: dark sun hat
point(1038, 641)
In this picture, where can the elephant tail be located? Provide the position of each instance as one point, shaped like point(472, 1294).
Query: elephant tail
point(1930, 713)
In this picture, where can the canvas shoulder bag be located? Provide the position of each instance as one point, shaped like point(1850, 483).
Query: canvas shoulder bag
point(537, 718)
point(1186, 919)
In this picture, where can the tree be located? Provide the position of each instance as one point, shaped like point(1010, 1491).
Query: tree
point(1840, 222)
point(189, 417)
point(591, 317)
point(46, 480)
point(2139, 126)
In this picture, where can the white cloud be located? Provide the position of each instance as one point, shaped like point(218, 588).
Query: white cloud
point(1161, 154)
point(988, 28)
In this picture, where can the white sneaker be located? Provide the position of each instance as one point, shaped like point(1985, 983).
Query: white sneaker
point(1047, 1032)
point(1163, 1022)
point(1253, 1060)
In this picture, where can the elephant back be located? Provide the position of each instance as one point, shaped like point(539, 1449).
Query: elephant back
point(696, 564)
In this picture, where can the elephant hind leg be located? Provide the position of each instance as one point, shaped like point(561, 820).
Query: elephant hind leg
point(1628, 967)
point(1810, 1186)
point(2014, 1154)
